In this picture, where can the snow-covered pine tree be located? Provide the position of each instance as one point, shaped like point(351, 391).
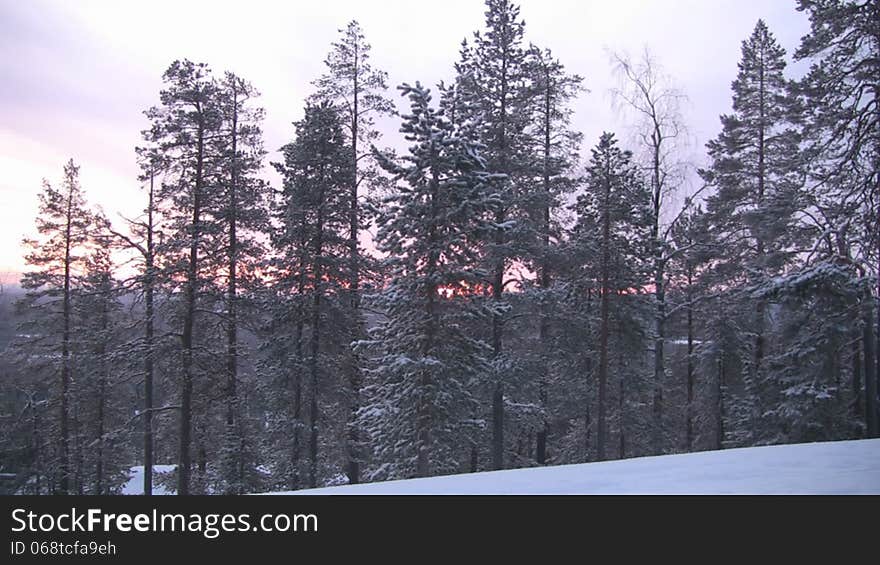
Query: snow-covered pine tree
point(357, 91)
point(817, 307)
point(556, 145)
point(427, 365)
point(278, 369)
point(99, 338)
point(56, 263)
point(494, 78)
point(182, 128)
point(612, 238)
point(243, 212)
point(754, 170)
point(843, 133)
point(282, 361)
point(719, 357)
point(688, 260)
point(313, 243)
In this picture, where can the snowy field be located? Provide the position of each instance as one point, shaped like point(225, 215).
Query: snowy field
point(844, 467)
point(135, 484)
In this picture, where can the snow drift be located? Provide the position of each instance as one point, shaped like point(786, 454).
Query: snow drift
point(135, 484)
point(844, 467)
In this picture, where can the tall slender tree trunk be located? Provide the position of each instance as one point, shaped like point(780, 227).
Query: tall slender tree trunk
point(201, 458)
point(318, 273)
point(64, 467)
point(102, 391)
point(77, 432)
point(543, 397)
point(759, 327)
point(148, 337)
point(658, 438)
point(604, 328)
point(588, 426)
point(719, 408)
point(37, 446)
point(354, 378)
point(589, 375)
point(297, 375)
point(876, 346)
point(689, 408)
point(497, 295)
point(233, 449)
point(99, 456)
point(313, 392)
point(423, 425)
point(621, 410)
point(183, 471)
point(544, 279)
point(868, 342)
point(498, 391)
point(857, 408)
point(875, 374)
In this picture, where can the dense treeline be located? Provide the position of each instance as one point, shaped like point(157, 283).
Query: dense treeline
point(518, 304)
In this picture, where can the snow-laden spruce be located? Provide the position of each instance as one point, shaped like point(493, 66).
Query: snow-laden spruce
point(429, 361)
point(611, 244)
point(313, 210)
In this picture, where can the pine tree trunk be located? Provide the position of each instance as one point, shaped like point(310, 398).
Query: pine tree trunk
point(868, 341)
point(313, 392)
point(604, 328)
point(543, 331)
point(587, 431)
point(719, 408)
point(233, 454)
point(201, 462)
point(588, 376)
point(475, 461)
point(318, 273)
point(621, 409)
point(297, 377)
point(857, 408)
point(183, 471)
point(77, 429)
point(498, 290)
point(101, 392)
point(99, 456)
point(689, 408)
point(354, 378)
point(498, 392)
point(148, 361)
point(38, 451)
point(64, 467)
point(423, 425)
point(759, 310)
point(876, 352)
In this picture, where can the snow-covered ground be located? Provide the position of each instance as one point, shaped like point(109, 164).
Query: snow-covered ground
point(135, 484)
point(844, 467)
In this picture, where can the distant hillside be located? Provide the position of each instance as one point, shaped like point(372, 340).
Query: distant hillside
point(8, 320)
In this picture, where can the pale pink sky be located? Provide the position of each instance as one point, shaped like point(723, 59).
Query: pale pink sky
point(75, 77)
